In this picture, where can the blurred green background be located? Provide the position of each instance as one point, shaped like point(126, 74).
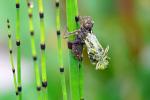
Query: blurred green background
point(124, 25)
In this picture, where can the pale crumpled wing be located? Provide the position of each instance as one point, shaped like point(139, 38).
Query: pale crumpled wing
point(94, 48)
point(96, 52)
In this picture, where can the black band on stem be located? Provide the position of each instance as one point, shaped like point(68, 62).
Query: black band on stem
point(58, 32)
point(34, 58)
point(30, 15)
point(42, 46)
point(32, 33)
point(18, 43)
point(8, 26)
point(29, 4)
point(13, 70)
point(17, 5)
point(7, 20)
point(79, 66)
point(10, 51)
point(19, 88)
point(44, 84)
point(9, 36)
point(41, 15)
point(17, 93)
point(57, 4)
point(61, 70)
point(77, 18)
point(38, 88)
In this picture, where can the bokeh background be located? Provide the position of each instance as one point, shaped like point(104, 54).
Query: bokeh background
point(124, 25)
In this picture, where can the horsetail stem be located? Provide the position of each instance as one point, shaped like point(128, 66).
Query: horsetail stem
point(81, 89)
point(74, 70)
point(76, 12)
point(80, 62)
point(18, 43)
point(11, 57)
point(43, 46)
point(34, 54)
point(60, 56)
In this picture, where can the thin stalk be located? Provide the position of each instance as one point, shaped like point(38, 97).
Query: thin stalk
point(43, 46)
point(18, 43)
point(34, 54)
point(60, 56)
point(11, 57)
point(73, 69)
point(81, 78)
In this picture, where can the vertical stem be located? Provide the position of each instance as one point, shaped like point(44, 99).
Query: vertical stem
point(81, 78)
point(43, 46)
point(76, 13)
point(74, 70)
point(18, 43)
point(34, 54)
point(60, 56)
point(11, 57)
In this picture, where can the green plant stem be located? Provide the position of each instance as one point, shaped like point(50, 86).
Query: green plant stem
point(81, 78)
point(42, 43)
point(76, 8)
point(18, 43)
point(73, 69)
point(60, 56)
point(81, 88)
point(34, 54)
point(11, 57)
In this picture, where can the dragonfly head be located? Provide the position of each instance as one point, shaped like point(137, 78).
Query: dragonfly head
point(86, 22)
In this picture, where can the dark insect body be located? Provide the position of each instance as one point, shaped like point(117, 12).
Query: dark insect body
point(86, 25)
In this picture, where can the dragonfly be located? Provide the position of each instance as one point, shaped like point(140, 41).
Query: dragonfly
point(85, 36)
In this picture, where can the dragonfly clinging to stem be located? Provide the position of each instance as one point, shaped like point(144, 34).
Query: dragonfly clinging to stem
point(84, 36)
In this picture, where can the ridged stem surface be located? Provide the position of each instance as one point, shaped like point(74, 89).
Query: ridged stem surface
point(33, 48)
point(60, 56)
point(43, 46)
point(18, 43)
point(73, 69)
point(11, 57)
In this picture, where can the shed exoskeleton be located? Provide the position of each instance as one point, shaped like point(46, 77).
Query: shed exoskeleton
point(84, 35)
